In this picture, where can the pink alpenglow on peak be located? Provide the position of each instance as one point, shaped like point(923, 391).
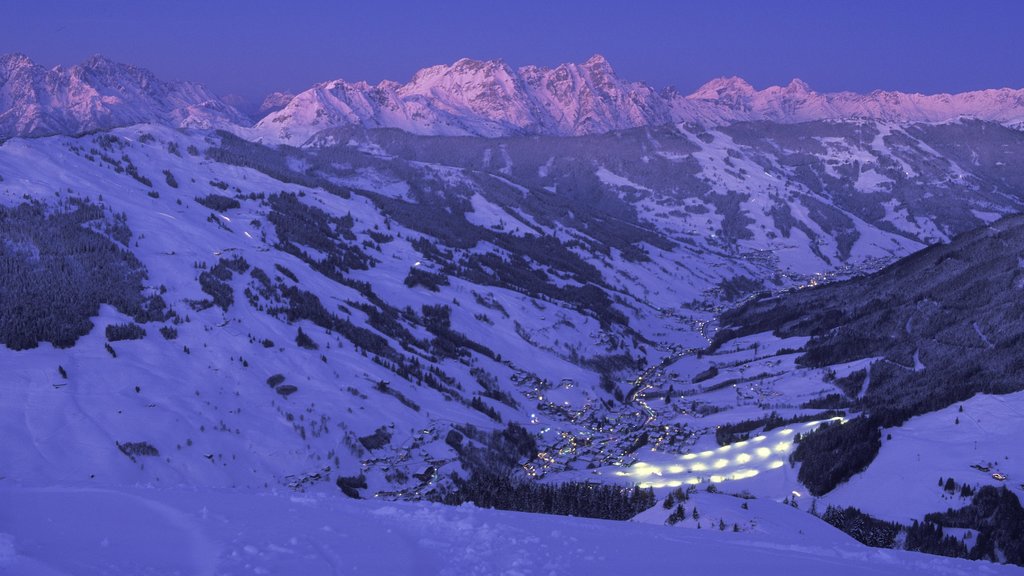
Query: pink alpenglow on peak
point(489, 98)
point(473, 97)
point(100, 94)
point(466, 98)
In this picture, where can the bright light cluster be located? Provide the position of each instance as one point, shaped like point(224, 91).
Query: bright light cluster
point(746, 459)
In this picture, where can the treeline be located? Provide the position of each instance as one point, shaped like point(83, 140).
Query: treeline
point(736, 431)
point(447, 342)
point(270, 161)
point(300, 225)
point(217, 280)
point(494, 481)
point(835, 452)
point(864, 528)
point(218, 202)
point(997, 516)
point(994, 520)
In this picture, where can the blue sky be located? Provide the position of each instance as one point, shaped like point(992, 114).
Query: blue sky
point(256, 46)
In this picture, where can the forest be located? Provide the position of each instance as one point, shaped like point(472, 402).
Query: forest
point(59, 264)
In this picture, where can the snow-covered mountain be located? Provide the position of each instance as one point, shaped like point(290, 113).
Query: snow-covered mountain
point(470, 97)
point(274, 102)
point(489, 98)
point(735, 99)
point(99, 94)
point(485, 98)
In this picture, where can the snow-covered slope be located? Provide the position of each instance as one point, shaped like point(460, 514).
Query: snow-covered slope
point(366, 308)
point(976, 442)
point(99, 94)
point(85, 532)
point(571, 264)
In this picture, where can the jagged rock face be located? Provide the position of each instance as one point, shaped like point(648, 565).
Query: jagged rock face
point(274, 102)
point(99, 94)
point(798, 103)
point(489, 98)
point(470, 97)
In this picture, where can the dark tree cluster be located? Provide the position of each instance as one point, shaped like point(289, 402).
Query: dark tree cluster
point(997, 516)
point(57, 267)
point(448, 343)
point(994, 515)
point(928, 537)
point(304, 341)
point(864, 528)
point(430, 280)
point(350, 485)
point(736, 431)
point(170, 179)
point(835, 452)
point(492, 460)
point(581, 499)
point(377, 440)
point(126, 331)
point(218, 202)
point(299, 225)
point(133, 449)
point(217, 280)
point(385, 388)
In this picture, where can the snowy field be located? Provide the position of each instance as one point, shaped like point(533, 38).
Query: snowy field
point(83, 532)
point(903, 481)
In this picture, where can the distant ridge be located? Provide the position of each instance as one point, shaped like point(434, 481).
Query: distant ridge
point(100, 94)
point(469, 97)
point(489, 98)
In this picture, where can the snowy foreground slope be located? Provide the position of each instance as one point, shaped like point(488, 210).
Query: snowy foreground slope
point(82, 532)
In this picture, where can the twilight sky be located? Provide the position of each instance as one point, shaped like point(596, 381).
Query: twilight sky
point(252, 47)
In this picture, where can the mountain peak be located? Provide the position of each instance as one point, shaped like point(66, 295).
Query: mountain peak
point(473, 64)
point(100, 94)
point(724, 87)
point(463, 67)
point(14, 60)
point(274, 102)
point(797, 85)
point(101, 62)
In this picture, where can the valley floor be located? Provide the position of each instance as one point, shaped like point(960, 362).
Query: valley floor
point(85, 531)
